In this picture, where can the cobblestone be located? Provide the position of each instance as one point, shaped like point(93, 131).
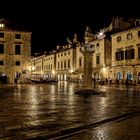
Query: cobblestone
point(43, 111)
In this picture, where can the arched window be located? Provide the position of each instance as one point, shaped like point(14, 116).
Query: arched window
point(119, 75)
point(129, 76)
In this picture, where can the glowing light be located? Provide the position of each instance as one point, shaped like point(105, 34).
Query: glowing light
point(71, 71)
point(33, 68)
point(1, 25)
point(3, 74)
point(53, 72)
point(104, 69)
point(101, 34)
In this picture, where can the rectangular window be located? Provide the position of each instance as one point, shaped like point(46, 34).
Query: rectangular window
point(18, 36)
point(58, 65)
point(17, 49)
point(97, 59)
point(119, 55)
point(80, 61)
point(1, 48)
point(129, 54)
point(61, 65)
point(126, 54)
point(138, 33)
point(122, 55)
point(1, 35)
point(17, 63)
point(139, 52)
point(65, 64)
point(132, 55)
point(69, 63)
point(1, 63)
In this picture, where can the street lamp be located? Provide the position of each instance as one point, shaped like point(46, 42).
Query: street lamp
point(53, 74)
point(33, 68)
point(53, 71)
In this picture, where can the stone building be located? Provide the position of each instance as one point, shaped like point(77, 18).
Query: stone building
point(66, 60)
point(15, 53)
point(126, 55)
point(59, 64)
point(116, 54)
point(36, 65)
point(102, 55)
point(102, 41)
point(49, 65)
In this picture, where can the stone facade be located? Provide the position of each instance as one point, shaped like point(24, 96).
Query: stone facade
point(102, 54)
point(15, 53)
point(126, 55)
point(116, 56)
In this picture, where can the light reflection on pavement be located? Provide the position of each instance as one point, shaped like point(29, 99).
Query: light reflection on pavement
point(43, 111)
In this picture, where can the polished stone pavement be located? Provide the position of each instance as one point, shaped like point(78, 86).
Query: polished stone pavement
point(44, 111)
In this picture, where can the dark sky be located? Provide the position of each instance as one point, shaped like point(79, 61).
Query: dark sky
point(51, 23)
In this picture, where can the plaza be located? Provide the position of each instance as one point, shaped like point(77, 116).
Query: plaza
point(54, 111)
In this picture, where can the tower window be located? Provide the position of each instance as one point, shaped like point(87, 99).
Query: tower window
point(17, 63)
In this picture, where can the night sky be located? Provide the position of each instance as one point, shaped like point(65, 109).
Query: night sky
point(51, 23)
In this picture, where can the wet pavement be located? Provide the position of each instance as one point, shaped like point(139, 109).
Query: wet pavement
point(45, 111)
